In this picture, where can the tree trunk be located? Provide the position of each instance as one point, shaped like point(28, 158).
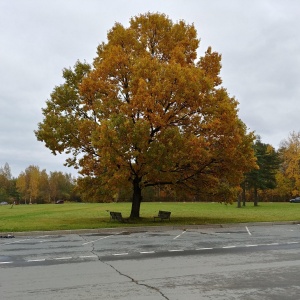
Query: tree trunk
point(244, 194)
point(239, 201)
point(255, 197)
point(136, 199)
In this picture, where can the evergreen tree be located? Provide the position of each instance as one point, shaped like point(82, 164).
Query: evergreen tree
point(264, 177)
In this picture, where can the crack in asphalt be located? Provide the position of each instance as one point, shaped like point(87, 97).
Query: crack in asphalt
point(92, 245)
point(136, 281)
point(122, 274)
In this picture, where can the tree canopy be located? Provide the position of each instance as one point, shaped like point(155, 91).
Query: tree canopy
point(147, 112)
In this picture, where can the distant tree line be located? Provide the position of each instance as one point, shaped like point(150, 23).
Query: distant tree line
point(276, 178)
point(36, 186)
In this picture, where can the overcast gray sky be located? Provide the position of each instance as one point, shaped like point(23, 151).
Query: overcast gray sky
point(259, 41)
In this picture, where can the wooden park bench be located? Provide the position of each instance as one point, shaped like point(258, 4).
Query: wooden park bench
point(163, 215)
point(117, 216)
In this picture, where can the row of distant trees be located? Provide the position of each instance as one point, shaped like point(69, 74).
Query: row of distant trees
point(36, 186)
point(277, 178)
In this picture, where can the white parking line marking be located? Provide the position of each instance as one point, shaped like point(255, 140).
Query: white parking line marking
point(96, 240)
point(176, 237)
point(88, 256)
point(251, 245)
point(119, 254)
point(61, 258)
point(147, 252)
point(293, 243)
point(204, 249)
point(272, 244)
point(248, 230)
point(36, 260)
point(228, 247)
point(105, 237)
point(5, 262)
point(176, 250)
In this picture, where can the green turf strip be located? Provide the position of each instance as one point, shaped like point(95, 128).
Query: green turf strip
point(70, 216)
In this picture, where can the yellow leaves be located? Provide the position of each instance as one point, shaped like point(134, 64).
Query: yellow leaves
point(290, 156)
point(211, 65)
point(152, 32)
point(164, 93)
point(184, 43)
point(164, 40)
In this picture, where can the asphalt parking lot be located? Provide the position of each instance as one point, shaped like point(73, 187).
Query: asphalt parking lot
point(220, 262)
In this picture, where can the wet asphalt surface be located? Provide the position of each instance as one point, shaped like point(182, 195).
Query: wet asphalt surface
point(233, 262)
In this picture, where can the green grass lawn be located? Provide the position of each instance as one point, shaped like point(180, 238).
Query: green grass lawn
point(94, 215)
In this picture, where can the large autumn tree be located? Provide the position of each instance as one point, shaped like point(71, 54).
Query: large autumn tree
point(148, 112)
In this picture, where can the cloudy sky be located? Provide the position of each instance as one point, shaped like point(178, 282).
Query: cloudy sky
point(259, 41)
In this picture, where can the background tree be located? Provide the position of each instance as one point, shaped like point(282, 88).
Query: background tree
point(60, 185)
point(7, 185)
point(264, 177)
point(33, 174)
point(148, 112)
point(284, 187)
point(4, 186)
point(44, 188)
point(28, 184)
point(38, 186)
point(21, 185)
point(6, 171)
point(290, 168)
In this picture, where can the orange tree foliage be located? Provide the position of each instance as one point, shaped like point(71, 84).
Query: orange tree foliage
point(147, 112)
point(290, 166)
